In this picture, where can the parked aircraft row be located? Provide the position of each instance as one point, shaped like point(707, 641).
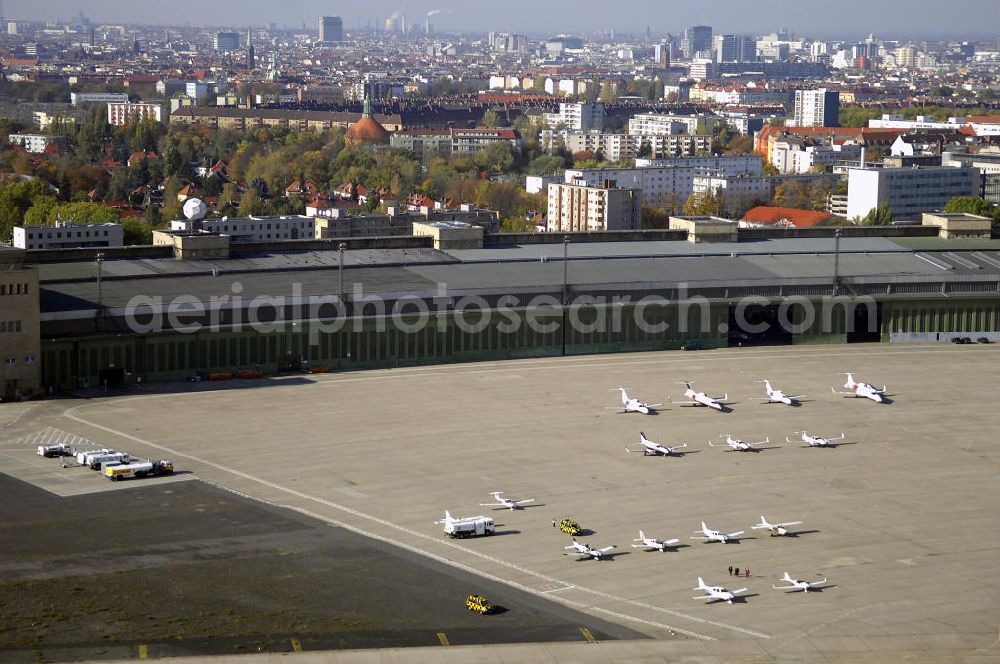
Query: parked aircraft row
point(701, 399)
point(720, 594)
point(648, 447)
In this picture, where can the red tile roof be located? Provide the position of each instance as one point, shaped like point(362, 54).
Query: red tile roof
point(785, 217)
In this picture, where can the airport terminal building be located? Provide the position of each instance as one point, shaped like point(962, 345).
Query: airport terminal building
point(140, 313)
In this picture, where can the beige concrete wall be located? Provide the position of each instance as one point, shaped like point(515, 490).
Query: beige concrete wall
point(20, 338)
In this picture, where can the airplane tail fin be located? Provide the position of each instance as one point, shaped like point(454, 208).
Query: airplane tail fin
point(701, 583)
point(787, 577)
point(703, 526)
point(448, 516)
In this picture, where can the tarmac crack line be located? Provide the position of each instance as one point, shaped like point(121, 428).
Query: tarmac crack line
point(343, 508)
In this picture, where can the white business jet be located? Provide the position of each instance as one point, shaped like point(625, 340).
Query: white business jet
point(630, 405)
point(776, 396)
point(696, 398)
point(649, 448)
point(864, 390)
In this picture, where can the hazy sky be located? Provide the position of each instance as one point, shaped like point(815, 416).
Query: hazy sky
point(889, 18)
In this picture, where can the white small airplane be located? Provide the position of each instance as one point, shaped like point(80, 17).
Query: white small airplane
point(797, 584)
point(650, 543)
point(864, 390)
point(507, 503)
point(649, 448)
point(815, 441)
point(738, 445)
point(776, 396)
point(775, 528)
point(700, 398)
point(717, 593)
point(630, 405)
point(709, 535)
point(583, 550)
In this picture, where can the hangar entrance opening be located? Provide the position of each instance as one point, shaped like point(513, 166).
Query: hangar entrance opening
point(111, 378)
point(864, 323)
point(757, 325)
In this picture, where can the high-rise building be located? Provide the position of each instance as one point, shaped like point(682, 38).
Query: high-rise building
point(735, 48)
point(226, 41)
point(817, 108)
point(331, 29)
point(661, 55)
point(699, 39)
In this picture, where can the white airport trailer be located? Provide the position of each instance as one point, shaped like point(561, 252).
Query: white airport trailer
point(472, 526)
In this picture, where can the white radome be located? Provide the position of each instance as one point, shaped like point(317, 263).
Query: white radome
point(194, 209)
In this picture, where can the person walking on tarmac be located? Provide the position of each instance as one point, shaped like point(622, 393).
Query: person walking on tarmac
point(730, 570)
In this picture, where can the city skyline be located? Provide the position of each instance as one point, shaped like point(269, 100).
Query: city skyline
point(965, 18)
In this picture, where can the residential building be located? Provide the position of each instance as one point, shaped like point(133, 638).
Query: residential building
point(606, 207)
point(35, 143)
point(124, 113)
point(423, 143)
point(331, 29)
point(619, 147)
point(666, 182)
point(471, 141)
point(817, 108)
point(20, 337)
point(67, 235)
point(733, 187)
point(908, 191)
point(576, 117)
point(662, 124)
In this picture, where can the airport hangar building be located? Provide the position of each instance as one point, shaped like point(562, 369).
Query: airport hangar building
point(627, 292)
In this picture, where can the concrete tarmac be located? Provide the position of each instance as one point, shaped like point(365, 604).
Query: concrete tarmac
point(901, 521)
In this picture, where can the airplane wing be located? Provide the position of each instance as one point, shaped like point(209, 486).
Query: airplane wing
point(606, 549)
point(705, 597)
point(629, 449)
point(700, 538)
point(653, 405)
point(788, 523)
point(523, 501)
point(783, 587)
point(843, 394)
point(578, 554)
point(761, 525)
point(818, 583)
point(736, 534)
point(669, 542)
point(643, 546)
point(738, 591)
point(796, 396)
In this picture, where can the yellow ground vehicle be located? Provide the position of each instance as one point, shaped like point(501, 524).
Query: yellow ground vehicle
point(479, 604)
point(570, 527)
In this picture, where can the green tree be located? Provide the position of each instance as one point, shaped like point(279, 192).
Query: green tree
point(496, 157)
point(702, 204)
point(880, 216)
point(973, 205)
point(491, 119)
point(136, 231)
point(15, 200)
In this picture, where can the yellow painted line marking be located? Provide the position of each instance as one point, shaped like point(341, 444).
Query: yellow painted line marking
point(143, 651)
point(587, 635)
point(296, 646)
point(443, 639)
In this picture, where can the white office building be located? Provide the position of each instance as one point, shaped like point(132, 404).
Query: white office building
point(908, 191)
point(66, 235)
point(77, 98)
point(253, 229)
point(605, 207)
point(619, 147)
